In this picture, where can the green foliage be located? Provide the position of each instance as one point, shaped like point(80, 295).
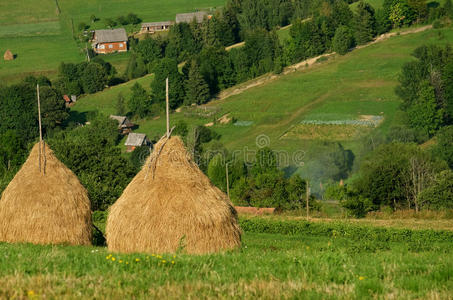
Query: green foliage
point(197, 90)
point(120, 106)
point(364, 23)
point(401, 14)
point(168, 68)
point(444, 146)
point(343, 40)
point(91, 153)
point(139, 156)
point(181, 129)
point(217, 171)
point(135, 68)
point(440, 194)
point(139, 102)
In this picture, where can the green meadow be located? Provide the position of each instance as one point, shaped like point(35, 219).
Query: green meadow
point(298, 265)
point(40, 34)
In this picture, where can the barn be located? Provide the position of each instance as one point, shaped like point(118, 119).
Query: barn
point(109, 41)
point(135, 140)
point(124, 124)
point(156, 26)
point(189, 17)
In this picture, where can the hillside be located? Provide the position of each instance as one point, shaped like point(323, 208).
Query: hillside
point(332, 101)
point(40, 33)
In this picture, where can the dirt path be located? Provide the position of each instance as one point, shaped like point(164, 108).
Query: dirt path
point(307, 63)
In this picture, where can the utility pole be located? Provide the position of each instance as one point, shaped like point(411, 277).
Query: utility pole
point(167, 100)
point(227, 181)
point(40, 128)
point(307, 199)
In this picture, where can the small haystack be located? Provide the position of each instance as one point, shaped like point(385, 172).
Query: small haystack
point(8, 55)
point(45, 208)
point(172, 205)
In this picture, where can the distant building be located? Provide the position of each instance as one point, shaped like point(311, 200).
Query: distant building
point(109, 41)
point(124, 125)
point(135, 140)
point(189, 17)
point(156, 26)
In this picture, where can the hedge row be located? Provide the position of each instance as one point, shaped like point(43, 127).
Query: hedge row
point(352, 231)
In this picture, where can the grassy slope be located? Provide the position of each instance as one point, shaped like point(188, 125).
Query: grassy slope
point(268, 266)
point(43, 52)
point(360, 83)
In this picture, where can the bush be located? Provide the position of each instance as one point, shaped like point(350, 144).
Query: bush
point(343, 40)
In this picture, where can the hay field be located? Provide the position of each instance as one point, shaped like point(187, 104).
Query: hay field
point(268, 266)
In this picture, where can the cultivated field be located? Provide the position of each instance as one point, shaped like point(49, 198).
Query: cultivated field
point(40, 32)
point(309, 260)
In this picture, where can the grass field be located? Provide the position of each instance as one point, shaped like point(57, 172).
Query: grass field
point(42, 38)
point(268, 266)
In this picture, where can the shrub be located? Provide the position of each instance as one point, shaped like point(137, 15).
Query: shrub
point(343, 40)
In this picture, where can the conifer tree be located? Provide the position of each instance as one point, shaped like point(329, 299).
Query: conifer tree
point(364, 23)
point(197, 90)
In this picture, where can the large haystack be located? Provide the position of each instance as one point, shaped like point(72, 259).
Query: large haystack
point(8, 55)
point(50, 208)
point(172, 205)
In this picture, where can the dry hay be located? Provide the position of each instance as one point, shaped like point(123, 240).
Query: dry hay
point(50, 208)
point(171, 205)
point(8, 55)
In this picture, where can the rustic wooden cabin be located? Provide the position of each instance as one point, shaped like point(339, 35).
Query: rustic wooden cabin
point(189, 17)
point(135, 140)
point(109, 41)
point(154, 27)
point(124, 125)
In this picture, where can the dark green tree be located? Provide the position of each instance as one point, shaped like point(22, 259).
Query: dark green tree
point(168, 68)
point(364, 23)
point(93, 78)
point(197, 90)
point(121, 108)
point(139, 102)
point(343, 40)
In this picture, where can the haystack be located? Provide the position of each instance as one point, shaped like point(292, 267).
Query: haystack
point(172, 205)
point(8, 55)
point(45, 208)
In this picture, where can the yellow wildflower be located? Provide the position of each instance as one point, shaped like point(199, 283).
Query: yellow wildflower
point(137, 259)
point(164, 261)
point(31, 293)
point(120, 261)
point(113, 259)
point(127, 263)
point(173, 262)
point(361, 278)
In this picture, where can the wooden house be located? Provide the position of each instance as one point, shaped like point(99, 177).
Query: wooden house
point(154, 27)
point(189, 17)
point(135, 140)
point(109, 41)
point(124, 125)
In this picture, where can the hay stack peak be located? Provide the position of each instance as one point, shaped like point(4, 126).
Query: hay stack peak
point(170, 205)
point(50, 208)
point(8, 55)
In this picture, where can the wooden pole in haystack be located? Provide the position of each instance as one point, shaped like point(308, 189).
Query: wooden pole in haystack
point(307, 199)
point(227, 181)
point(167, 100)
point(40, 128)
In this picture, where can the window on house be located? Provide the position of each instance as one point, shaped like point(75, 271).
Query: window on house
point(101, 47)
point(121, 46)
point(110, 46)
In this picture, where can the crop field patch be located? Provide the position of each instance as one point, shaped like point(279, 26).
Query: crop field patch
point(28, 30)
point(334, 130)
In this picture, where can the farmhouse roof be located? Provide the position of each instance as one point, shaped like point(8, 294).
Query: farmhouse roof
point(110, 35)
point(135, 139)
point(188, 17)
point(155, 24)
point(123, 121)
